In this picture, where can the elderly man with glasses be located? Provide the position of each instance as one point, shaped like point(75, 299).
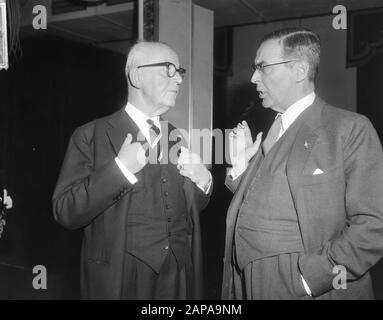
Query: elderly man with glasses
point(139, 212)
point(306, 219)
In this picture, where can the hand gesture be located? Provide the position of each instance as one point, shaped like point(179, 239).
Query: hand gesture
point(241, 146)
point(132, 155)
point(190, 165)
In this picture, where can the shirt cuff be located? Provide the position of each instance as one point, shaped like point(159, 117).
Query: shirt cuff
point(207, 188)
point(130, 176)
point(235, 176)
point(306, 286)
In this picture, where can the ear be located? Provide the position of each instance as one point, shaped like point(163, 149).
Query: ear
point(301, 70)
point(134, 77)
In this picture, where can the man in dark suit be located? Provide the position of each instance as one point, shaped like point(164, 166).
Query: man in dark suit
point(306, 219)
point(139, 212)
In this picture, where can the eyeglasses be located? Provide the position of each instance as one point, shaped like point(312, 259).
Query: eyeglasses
point(261, 67)
point(171, 69)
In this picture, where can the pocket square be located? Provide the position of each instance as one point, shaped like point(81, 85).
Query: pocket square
point(317, 171)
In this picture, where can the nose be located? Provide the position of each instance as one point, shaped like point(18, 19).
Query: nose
point(256, 77)
point(178, 79)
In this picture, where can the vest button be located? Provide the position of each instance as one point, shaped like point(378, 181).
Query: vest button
point(166, 193)
point(169, 234)
point(164, 180)
point(166, 248)
point(169, 219)
point(167, 206)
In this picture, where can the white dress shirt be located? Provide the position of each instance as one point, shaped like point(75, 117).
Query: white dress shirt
point(140, 119)
point(294, 111)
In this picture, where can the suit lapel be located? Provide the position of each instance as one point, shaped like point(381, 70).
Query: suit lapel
point(300, 152)
point(120, 125)
point(304, 142)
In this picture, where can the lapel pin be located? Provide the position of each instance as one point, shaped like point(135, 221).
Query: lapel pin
point(306, 145)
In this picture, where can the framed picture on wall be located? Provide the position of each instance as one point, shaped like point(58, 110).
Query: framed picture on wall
point(3, 36)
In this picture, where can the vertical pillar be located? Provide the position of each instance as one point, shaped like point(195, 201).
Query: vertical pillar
point(189, 29)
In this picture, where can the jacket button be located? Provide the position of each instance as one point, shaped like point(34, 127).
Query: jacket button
point(164, 180)
point(167, 206)
point(166, 193)
point(166, 248)
point(169, 219)
point(169, 234)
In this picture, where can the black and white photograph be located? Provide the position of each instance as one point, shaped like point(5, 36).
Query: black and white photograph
point(216, 151)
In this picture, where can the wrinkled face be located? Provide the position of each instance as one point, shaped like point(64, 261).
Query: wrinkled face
point(275, 84)
point(159, 90)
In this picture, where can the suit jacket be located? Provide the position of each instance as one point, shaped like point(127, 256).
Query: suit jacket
point(91, 193)
point(340, 212)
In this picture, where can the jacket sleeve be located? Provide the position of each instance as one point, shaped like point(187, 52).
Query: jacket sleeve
point(195, 196)
point(82, 191)
point(359, 245)
point(201, 198)
point(231, 184)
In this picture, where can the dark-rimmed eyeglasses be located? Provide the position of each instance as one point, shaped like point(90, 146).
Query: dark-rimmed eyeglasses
point(171, 69)
point(261, 67)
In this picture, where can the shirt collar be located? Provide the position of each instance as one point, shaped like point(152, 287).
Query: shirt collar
point(293, 112)
point(140, 117)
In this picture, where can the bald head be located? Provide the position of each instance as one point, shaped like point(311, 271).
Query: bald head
point(147, 52)
point(154, 76)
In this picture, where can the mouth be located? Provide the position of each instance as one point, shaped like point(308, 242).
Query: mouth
point(261, 94)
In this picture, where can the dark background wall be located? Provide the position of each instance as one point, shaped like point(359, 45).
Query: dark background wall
point(370, 103)
point(54, 87)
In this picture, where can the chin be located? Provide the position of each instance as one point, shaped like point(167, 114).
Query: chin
point(162, 110)
point(266, 105)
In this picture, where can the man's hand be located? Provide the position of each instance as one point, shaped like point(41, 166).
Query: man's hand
point(132, 155)
point(190, 165)
point(242, 148)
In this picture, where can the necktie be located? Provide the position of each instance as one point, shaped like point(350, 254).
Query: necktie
point(272, 135)
point(154, 132)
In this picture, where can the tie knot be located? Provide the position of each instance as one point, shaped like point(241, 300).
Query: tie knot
point(153, 127)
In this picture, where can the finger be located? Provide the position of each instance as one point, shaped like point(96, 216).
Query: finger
point(241, 132)
point(246, 128)
point(183, 162)
point(128, 139)
point(144, 147)
point(189, 159)
point(183, 173)
point(259, 136)
point(141, 156)
point(183, 151)
point(254, 148)
point(232, 135)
